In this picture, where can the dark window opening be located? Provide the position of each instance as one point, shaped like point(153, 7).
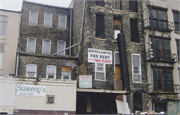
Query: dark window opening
point(99, 26)
point(178, 49)
point(160, 107)
point(117, 27)
point(163, 80)
point(133, 6)
point(118, 4)
point(176, 21)
point(100, 3)
point(134, 31)
point(137, 102)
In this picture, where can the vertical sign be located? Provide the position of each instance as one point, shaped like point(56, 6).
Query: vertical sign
point(85, 81)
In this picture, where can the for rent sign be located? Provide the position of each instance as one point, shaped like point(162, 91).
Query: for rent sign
point(85, 81)
point(99, 56)
point(31, 90)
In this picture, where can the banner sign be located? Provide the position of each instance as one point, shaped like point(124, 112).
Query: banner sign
point(31, 90)
point(85, 81)
point(99, 56)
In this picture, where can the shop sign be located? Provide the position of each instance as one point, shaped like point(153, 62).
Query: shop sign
point(99, 56)
point(31, 90)
point(85, 81)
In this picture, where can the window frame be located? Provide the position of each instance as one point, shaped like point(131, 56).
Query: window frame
point(62, 49)
point(35, 75)
point(134, 30)
point(65, 21)
point(6, 22)
point(100, 27)
point(28, 45)
point(140, 74)
point(176, 22)
point(51, 74)
point(47, 96)
point(67, 70)
point(104, 71)
point(49, 52)
point(50, 18)
point(30, 17)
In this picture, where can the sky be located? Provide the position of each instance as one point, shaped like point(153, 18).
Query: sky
point(16, 5)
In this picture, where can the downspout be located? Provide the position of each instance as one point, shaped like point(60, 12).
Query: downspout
point(70, 33)
point(17, 63)
point(82, 28)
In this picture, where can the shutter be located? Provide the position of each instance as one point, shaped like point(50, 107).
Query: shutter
point(31, 45)
point(51, 69)
point(31, 68)
point(33, 17)
point(1, 58)
point(62, 20)
point(61, 46)
point(46, 46)
point(48, 19)
point(100, 76)
point(3, 29)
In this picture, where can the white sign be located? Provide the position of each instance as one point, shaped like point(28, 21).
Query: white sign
point(85, 81)
point(32, 90)
point(99, 56)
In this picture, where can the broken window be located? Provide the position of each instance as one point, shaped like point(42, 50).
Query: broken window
point(136, 68)
point(62, 20)
point(51, 72)
point(31, 43)
point(47, 18)
point(176, 20)
point(65, 73)
point(178, 48)
point(133, 6)
point(100, 71)
point(33, 16)
point(99, 26)
point(46, 46)
point(60, 46)
point(163, 80)
point(99, 3)
point(31, 70)
point(134, 30)
point(118, 4)
point(117, 27)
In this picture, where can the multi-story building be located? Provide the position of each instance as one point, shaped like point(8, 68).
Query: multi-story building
point(161, 33)
point(9, 34)
point(96, 24)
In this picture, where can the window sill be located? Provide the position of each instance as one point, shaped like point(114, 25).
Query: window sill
point(177, 32)
point(100, 39)
point(136, 43)
point(137, 82)
point(32, 24)
point(99, 80)
point(2, 37)
point(114, 40)
point(47, 27)
point(64, 29)
point(117, 10)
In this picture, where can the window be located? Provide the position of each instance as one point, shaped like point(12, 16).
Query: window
point(1, 47)
point(162, 50)
point(47, 18)
point(50, 72)
point(33, 16)
point(50, 99)
point(3, 25)
point(133, 6)
point(136, 68)
point(99, 26)
point(178, 48)
point(62, 18)
point(176, 20)
point(31, 70)
point(159, 19)
point(134, 30)
point(117, 27)
point(65, 73)
point(1, 54)
point(118, 4)
point(137, 102)
point(100, 71)
point(60, 46)
point(100, 3)
point(31, 43)
point(163, 80)
point(46, 46)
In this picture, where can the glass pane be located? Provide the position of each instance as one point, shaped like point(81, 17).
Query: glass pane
point(159, 73)
point(176, 26)
point(1, 47)
point(160, 24)
point(176, 17)
point(1, 58)
point(61, 46)
point(136, 60)
point(162, 15)
point(50, 76)
point(99, 65)
point(66, 73)
point(3, 29)
point(154, 14)
point(100, 69)
point(31, 45)
point(4, 18)
point(117, 59)
point(155, 85)
point(136, 78)
point(46, 47)
point(154, 74)
point(100, 76)
point(62, 21)
point(50, 99)
point(65, 77)
point(165, 25)
point(168, 45)
point(31, 74)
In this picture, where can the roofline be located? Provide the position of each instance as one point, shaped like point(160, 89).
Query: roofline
point(46, 5)
point(10, 11)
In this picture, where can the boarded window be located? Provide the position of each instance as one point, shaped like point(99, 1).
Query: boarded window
point(133, 6)
point(1, 59)
point(60, 46)
point(100, 71)
point(31, 42)
point(118, 4)
point(136, 68)
point(99, 26)
point(62, 19)
point(134, 31)
point(176, 21)
point(47, 18)
point(33, 16)
point(46, 46)
point(100, 3)
point(31, 70)
point(117, 27)
point(51, 71)
point(65, 73)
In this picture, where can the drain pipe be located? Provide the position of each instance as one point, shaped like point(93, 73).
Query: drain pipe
point(82, 28)
point(17, 63)
point(70, 33)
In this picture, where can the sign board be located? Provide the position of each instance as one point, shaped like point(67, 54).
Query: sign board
point(99, 56)
point(31, 90)
point(85, 81)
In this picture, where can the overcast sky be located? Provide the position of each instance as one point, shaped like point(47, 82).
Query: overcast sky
point(16, 5)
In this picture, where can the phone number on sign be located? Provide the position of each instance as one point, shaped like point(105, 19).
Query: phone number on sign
point(102, 61)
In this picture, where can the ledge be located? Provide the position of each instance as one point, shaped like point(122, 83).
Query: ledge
point(101, 91)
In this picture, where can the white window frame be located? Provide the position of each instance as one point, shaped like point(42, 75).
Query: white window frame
point(28, 44)
point(47, 71)
point(49, 52)
point(104, 71)
point(35, 75)
point(134, 54)
point(62, 76)
point(62, 49)
point(1, 21)
point(59, 21)
point(30, 16)
point(50, 18)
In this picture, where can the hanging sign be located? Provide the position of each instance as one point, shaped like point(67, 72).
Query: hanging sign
point(85, 81)
point(99, 56)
